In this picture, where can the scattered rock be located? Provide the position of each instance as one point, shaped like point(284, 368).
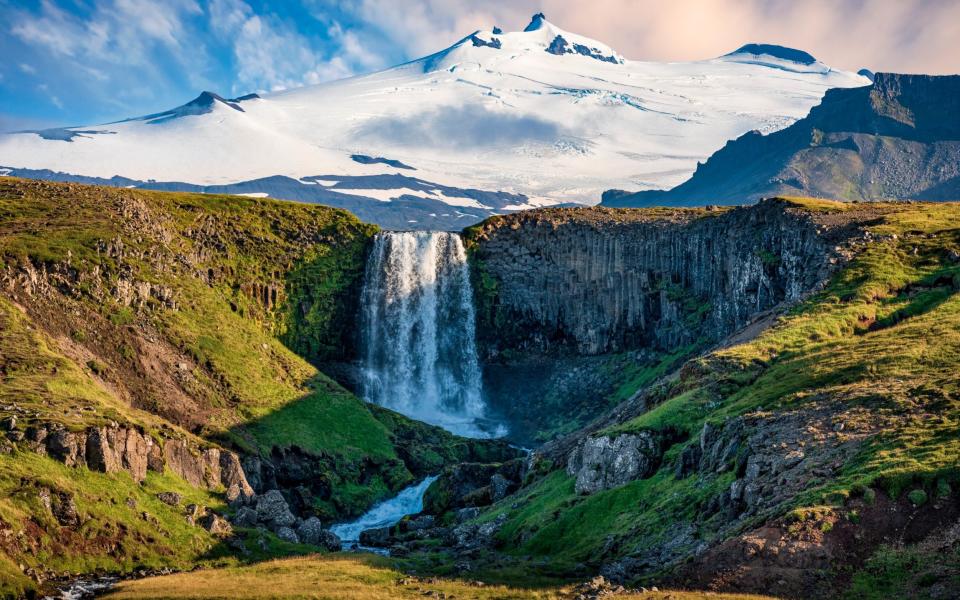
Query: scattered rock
point(215, 524)
point(288, 535)
point(170, 498)
point(273, 510)
point(245, 517)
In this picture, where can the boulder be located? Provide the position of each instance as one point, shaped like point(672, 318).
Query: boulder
point(468, 536)
point(170, 498)
point(602, 463)
point(233, 478)
point(245, 517)
point(272, 509)
point(379, 537)
point(330, 541)
point(419, 523)
point(472, 484)
point(288, 535)
point(311, 532)
point(215, 524)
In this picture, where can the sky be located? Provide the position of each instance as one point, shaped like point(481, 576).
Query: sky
point(75, 62)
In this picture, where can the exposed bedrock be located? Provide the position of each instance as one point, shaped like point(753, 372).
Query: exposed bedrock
point(114, 448)
point(578, 309)
point(593, 281)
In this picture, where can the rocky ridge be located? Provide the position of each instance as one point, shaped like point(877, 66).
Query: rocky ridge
point(896, 139)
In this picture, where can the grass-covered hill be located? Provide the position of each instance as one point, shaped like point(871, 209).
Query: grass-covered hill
point(187, 317)
point(816, 451)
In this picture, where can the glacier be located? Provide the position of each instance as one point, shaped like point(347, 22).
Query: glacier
point(504, 120)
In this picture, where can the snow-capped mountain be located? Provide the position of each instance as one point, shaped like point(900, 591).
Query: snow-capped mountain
point(496, 122)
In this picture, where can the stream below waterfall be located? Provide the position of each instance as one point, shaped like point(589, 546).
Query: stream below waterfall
point(389, 512)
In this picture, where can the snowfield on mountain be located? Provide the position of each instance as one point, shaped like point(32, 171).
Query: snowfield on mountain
point(494, 123)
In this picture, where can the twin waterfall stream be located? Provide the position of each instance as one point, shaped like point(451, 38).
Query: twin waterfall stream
point(418, 347)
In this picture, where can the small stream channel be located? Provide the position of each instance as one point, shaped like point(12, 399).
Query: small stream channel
point(389, 512)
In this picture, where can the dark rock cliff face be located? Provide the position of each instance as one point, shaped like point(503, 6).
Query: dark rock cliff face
point(580, 309)
point(592, 281)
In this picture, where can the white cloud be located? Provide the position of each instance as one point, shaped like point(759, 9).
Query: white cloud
point(28, 69)
point(56, 101)
point(117, 32)
point(270, 55)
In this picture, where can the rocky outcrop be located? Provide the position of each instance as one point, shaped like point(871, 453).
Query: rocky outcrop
point(113, 448)
point(601, 463)
point(272, 512)
point(591, 281)
point(467, 536)
point(775, 456)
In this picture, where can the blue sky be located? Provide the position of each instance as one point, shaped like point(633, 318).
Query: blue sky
point(72, 62)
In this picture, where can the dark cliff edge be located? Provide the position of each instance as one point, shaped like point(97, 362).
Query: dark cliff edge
point(896, 139)
point(576, 304)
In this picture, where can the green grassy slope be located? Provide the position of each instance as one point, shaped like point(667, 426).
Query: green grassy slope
point(191, 314)
point(882, 341)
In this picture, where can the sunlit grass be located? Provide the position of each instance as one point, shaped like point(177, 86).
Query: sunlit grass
point(346, 578)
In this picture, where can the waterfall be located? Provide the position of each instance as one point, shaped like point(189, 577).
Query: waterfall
point(418, 331)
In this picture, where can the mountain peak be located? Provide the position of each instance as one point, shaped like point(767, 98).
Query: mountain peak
point(536, 22)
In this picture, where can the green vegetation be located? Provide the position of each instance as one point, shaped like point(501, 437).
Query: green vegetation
point(883, 336)
point(906, 573)
point(242, 292)
point(185, 314)
point(123, 525)
point(614, 378)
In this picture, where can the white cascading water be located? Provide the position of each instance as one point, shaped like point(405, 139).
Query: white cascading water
point(408, 502)
point(418, 331)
